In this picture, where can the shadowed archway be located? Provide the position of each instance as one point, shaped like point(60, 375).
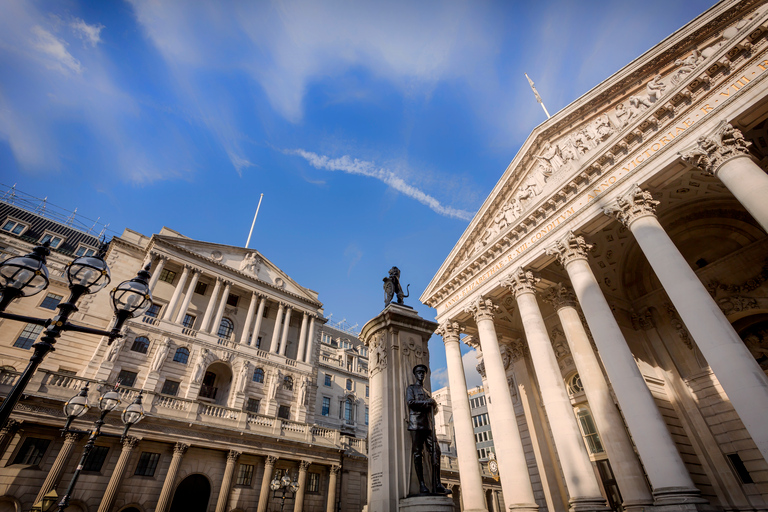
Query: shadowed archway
point(192, 495)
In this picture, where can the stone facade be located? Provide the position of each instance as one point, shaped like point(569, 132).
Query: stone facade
point(614, 283)
point(228, 362)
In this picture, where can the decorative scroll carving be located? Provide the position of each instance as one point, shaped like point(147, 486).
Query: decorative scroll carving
point(233, 455)
point(569, 248)
point(482, 309)
point(710, 153)
point(561, 296)
point(481, 369)
point(304, 465)
point(269, 461)
point(521, 281)
point(632, 205)
point(72, 437)
point(678, 325)
point(747, 286)
point(642, 321)
point(180, 449)
point(736, 303)
point(130, 442)
point(449, 331)
point(518, 349)
point(335, 469)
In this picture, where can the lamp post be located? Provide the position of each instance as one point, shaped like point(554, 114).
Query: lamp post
point(23, 276)
point(76, 407)
point(287, 489)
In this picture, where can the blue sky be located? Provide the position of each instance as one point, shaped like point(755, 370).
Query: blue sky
point(374, 129)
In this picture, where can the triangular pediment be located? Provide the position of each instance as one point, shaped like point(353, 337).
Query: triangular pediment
point(249, 263)
point(592, 134)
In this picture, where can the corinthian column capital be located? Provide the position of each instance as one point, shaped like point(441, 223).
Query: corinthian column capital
point(520, 281)
point(449, 330)
point(709, 153)
point(269, 461)
point(481, 369)
point(335, 469)
point(518, 349)
point(569, 248)
point(482, 309)
point(304, 465)
point(632, 205)
point(180, 449)
point(233, 455)
point(560, 297)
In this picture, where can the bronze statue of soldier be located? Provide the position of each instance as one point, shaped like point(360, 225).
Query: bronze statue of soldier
point(421, 421)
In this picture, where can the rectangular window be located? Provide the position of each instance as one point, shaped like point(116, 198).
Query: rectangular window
point(167, 275)
point(328, 380)
point(32, 451)
point(244, 474)
point(367, 391)
point(232, 300)
point(253, 405)
point(366, 414)
point(258, 342)
point(54, 240)
point(326, 406)
point(314, 482)
point(170, 387)
point(189, 321)
point(127, 378)
point(154, 310)
point(200, 288)
point(83, 250)
point(147, 464)
point(738, 466)
point(96, 458)
point(284, 412)
point(589, 431)
point(14, 227)
point(28, 336)
point(51, 301)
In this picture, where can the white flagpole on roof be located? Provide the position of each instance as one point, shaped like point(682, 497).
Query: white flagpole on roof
point(254, 221)
point(536, 93)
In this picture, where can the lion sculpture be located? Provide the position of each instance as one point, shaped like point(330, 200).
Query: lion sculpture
point(392, 287)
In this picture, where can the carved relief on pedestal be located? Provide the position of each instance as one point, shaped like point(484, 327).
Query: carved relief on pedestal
point(378, 353)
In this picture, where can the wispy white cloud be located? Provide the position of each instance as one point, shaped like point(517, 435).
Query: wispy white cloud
point(354, 255)
point(54, 50)
point(351, 165)
point(90, 34)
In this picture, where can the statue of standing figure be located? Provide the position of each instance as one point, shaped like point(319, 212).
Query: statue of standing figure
point(421, 421)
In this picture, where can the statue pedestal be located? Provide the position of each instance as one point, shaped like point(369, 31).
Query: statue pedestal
point(397, 341)
point(427, 504)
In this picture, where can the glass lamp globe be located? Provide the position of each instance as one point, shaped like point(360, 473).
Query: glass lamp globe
point(285, 481)
point(275, 485)
point(90, 272)
point(133, 298)
point(77, 405)
point(27, 274)
point(109, 401)
point(134, 412)
point(294, 486)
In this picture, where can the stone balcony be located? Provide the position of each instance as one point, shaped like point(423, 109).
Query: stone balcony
point(60, 387)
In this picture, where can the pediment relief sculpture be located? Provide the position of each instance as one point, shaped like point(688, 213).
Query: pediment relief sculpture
point(251, 264)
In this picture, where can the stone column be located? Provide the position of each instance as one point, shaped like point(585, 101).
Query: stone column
point(513, 468)
point(214, 328)
point(310, 339)
point(469, 466)
point(331, 504)
point(742, 379)
point(249, 319)
point(275, 342)
point(665, 468)
point(170, 477)
point(259, 318)
point(286, 326)
point(299, 503)
point(7, 433)
point(129, 443)
point(302, 338)
point(156, 272)
point(188, 297)
point(269, 466)
point(171, 308)
point(226, 482)
point(726, 156)
point(70, 440)
point(583, 489)
point(621, 454)
point(211, 306)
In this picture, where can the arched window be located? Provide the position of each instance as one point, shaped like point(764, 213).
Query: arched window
point(349, 384)
point(258, 375)
point(225, 328)
point(140, 345)
point(574, 384)
point(181, 355)
point(288, 383)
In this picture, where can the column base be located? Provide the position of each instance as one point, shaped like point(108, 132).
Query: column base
point(680, 499)
point(426, 504)
point(588, 504)
point(638, 506)
point(523, 507)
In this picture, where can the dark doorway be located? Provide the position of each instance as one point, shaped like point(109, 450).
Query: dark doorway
point(130, 509)
point(192, 495)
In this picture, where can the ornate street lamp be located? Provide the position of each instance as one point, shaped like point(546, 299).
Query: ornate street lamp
point(287, 489)
point(76, 407)
point(23, 276)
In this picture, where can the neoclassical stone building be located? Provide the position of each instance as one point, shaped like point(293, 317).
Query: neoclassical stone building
point(227, 360)
point(617, 272)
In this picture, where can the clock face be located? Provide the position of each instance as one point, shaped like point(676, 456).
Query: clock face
point(493, 466)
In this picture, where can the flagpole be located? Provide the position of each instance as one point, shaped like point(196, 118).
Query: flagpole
point(536, 93)
point(254, 221)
